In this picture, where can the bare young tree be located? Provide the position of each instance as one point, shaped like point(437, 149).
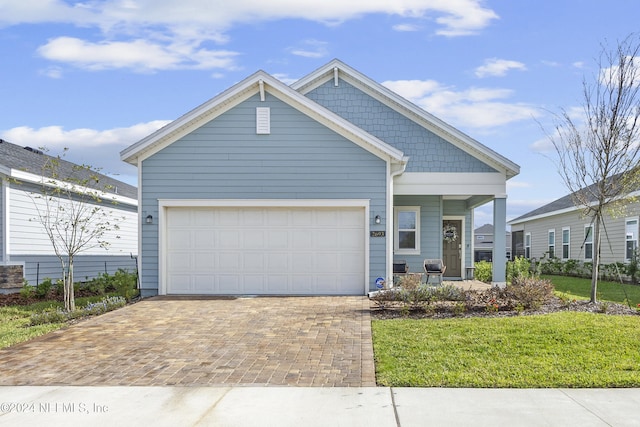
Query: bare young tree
point(598, 151)
point(71, 207)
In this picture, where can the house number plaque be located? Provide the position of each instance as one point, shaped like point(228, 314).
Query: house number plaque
point(377, 234)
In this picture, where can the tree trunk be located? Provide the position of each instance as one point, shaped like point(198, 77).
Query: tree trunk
point(596, 258)
point(69, 297)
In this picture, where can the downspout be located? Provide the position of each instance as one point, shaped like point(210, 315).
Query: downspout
point(393, 170)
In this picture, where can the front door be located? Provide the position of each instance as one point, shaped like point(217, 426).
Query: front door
point(452, 247)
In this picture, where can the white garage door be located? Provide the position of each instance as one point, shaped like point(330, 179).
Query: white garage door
point(277, 251)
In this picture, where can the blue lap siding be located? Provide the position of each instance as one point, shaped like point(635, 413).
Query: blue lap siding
point(226, 159)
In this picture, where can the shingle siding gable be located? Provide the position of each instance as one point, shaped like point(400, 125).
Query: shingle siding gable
point(427, 151)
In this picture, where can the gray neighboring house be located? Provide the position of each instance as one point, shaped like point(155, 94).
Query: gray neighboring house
point(559, 229)
point(25, 249)
point(483, 244)
point(310, 189)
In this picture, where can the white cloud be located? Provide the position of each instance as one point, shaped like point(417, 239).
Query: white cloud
point(517, 184)
point(474, 107)
point(138, 55)
point(498, 67)
point(97, 148)
point(166, 34)
point(310, 49)
point(406, 27)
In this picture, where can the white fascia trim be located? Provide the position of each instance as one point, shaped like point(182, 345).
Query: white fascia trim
point(408, 109)
point(54, 183)
point(239, 93)
point(190, 121)
point(163, 204)
point(450, 184)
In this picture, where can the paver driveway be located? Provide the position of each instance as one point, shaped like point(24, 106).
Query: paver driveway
point(298, 341)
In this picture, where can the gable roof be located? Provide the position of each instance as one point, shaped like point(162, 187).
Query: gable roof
point(259, 82)
point(337, 68)
point(484, 229)
point(566, 203)
point(29, 164)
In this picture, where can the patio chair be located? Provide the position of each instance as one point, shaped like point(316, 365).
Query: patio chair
point(400, 268)
point(434, 267)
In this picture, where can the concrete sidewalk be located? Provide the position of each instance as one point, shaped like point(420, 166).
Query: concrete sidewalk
point(314, 406)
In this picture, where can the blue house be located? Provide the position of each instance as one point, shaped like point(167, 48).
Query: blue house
point(310, 189)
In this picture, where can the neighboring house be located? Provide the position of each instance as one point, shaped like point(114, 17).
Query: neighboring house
point(314, 188)
point(559, 230)
point(483, 244)
point(26, 251)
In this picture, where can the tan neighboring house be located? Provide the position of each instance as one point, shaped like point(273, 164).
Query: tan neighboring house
point(560, 230)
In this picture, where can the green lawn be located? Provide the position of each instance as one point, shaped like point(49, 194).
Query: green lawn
point(14, 321)
point(556, 350)
point(574, 287)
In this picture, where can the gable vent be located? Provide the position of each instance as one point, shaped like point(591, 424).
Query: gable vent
point(263, 120)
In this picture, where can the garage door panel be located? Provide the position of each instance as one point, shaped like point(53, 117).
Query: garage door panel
point(229, 262)
point(254, 283)
point(254, 239)
point(326, 239)
point(179, 261)
point(265, 251)
point(204, 284)
point(228, 283)
point(229, 239)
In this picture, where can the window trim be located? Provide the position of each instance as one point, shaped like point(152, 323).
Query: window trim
point(567, 244)
point(626, 236)
point(588, 242)
point(551, 243)
point(396, 230)
point(527, 245)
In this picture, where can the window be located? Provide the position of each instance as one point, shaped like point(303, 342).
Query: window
point(566, 239)
point(552, 243)
point(631, 237)
point(479, 237)
point(527, 245)
point(407, 230)
point(588, 242)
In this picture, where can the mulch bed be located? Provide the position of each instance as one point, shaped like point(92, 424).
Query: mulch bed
point(445, 310)
point(18, 299)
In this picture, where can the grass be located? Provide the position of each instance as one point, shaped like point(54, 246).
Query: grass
point(555, 350)
point(579, 288)
point(14, 320)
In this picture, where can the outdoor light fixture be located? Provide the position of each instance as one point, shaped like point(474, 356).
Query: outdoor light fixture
point(377, 219)
point(149, 219)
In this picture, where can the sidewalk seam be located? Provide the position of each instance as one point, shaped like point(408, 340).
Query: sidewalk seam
point(395, 410)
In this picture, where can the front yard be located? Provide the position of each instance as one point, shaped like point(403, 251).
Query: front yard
point(561, 349)
point(565, 349)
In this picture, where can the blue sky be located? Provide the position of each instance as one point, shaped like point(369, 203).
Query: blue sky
point(97, 76)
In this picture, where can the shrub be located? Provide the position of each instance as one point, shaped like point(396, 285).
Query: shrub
point(447, 293)
point(531, 293)
point(44, 288)
point(483, 271)
point(519, 267)
point(27, 290)
point(59, 315)
point(121, 282)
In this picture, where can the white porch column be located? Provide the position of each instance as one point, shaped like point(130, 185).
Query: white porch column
point(499, 241)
